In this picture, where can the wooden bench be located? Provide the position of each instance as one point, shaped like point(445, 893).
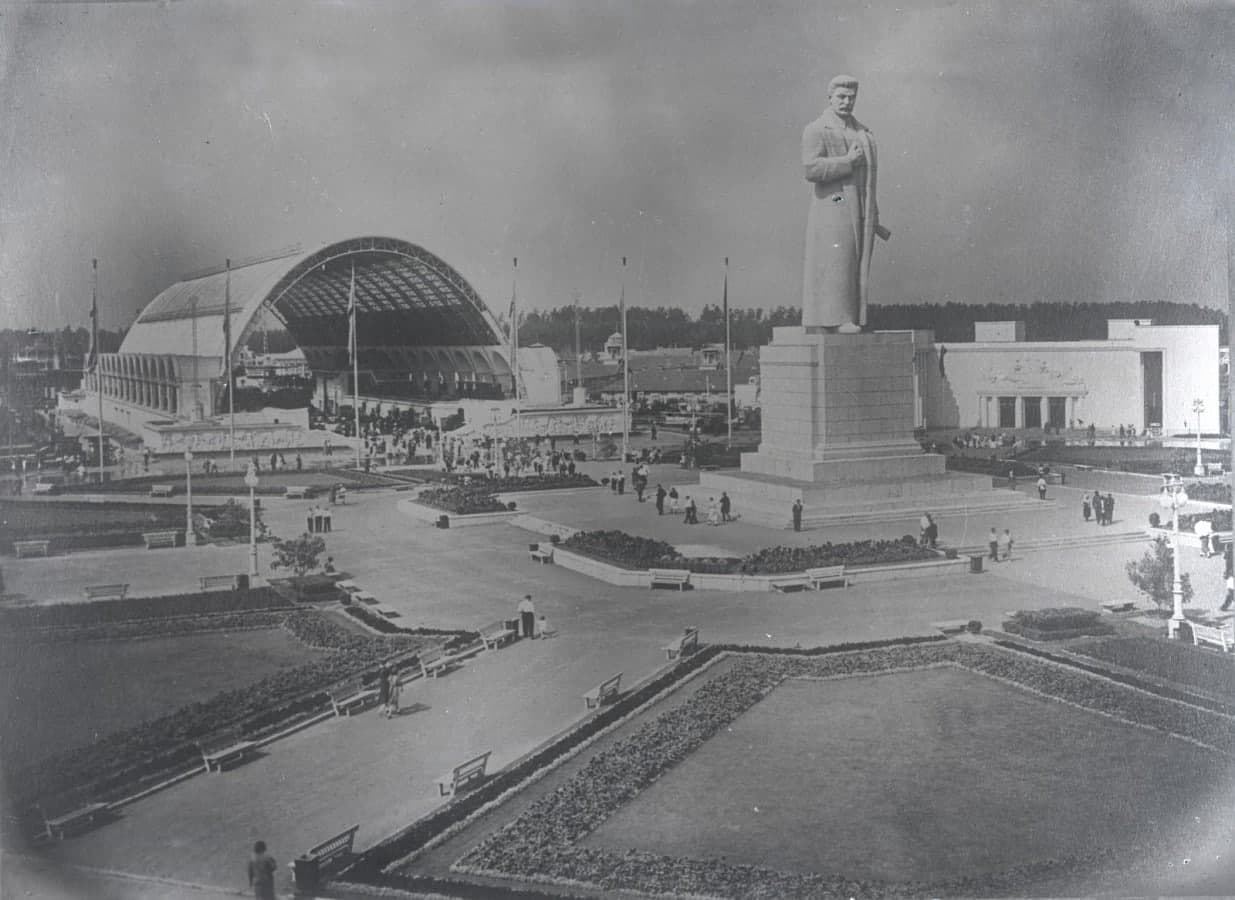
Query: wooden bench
point(105, 591)
point(224, 748)
point(607, 690)
point(214, 582)
point(46, 487)
point(784, 583)
point(493, 634)
point(297, 492)
point(31, 548)
point(463, 775)
point(351, 696)
point(162, 490)
point(1218, 636)
point(540, 553)
point(366, 598)
point(822, 575)
point(155, 539)
point(347, 584)
point(434, 661)
point(69, 812)
point(678, 578)
point(685, 643)
point(340, 495)
point(328, 854)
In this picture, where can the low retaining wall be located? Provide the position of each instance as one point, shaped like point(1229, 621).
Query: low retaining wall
point(1187, 538)
point(615, 575)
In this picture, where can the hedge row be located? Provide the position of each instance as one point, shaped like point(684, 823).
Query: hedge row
point(634, 552)
point(105, 611)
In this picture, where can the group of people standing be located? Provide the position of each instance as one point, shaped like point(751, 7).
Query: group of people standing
point(1000, 544)
point(317, 519)
point(388, 690)
point(1101, 507)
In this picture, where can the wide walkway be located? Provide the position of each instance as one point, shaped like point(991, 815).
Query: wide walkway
point(192, 839)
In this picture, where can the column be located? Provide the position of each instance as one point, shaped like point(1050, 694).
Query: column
point(1044, 412)
point(1019, 412)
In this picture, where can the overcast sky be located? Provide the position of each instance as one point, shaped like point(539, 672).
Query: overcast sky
point(1029, 151)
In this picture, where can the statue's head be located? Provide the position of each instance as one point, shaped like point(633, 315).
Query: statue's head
point(843, 94)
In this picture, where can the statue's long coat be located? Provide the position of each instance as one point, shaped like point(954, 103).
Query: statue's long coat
point(841, 224)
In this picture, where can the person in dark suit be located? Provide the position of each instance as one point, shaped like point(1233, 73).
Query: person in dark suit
point(797, 514)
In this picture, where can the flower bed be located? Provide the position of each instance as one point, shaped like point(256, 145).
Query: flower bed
point(75, 525)
point(1173, 660)
point(633, 552)
point(1056, 624)
point(160, 748)
point(1221, 519)
point(542, 844)
point(1212, 492)
point(986, 465)
point(103, 611)
point(462, 500)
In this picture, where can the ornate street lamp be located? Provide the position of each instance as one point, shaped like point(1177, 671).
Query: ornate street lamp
point(1198, 407)
point(1174, 498)
point(250, 479)
point(190, 536)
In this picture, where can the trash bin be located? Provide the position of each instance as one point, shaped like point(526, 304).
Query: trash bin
point(306, 873)
point(975, 564)
point(443, 521)
point(242, 581)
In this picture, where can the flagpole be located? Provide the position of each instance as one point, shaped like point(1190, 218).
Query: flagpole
point(578, 352)
point(625, 369)
point(227, 361)
point(514, 344)
point(353, 347)
point(98, 357)
point(728, 366)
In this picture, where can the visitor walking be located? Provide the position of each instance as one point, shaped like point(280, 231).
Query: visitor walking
point(1041, 487)
point(924, 524)
point(673, 500)
point(527, 617)
point(1108, 508)
point(326, 518)
point(261, 872)
point(660, 499)
point(383, 687)
point(725, 506)
point(1097, 507)
point(1085, 506)
point(1004, 542)
point(993, 543)
point(692, 512)
point(392, 699)
point(797, 514)
point(1230, 591)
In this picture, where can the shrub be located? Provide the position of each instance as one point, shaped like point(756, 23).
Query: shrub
point(1153, 574)
point(1154, 520)
point(462, 500)
point(1056, 624)
point(974, 626)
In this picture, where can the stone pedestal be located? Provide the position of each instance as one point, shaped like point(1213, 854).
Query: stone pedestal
point(838, 420)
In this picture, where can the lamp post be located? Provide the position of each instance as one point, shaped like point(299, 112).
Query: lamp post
point(250, 479)
point(1198, 407)
point(1174, 499)
point(190, 536)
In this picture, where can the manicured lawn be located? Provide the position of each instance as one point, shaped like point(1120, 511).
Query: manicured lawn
point(925, 775)
point(57, 696)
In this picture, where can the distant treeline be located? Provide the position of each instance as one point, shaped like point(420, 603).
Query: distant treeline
point(951, 322)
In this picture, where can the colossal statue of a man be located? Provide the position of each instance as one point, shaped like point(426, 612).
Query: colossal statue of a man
point(838, 154)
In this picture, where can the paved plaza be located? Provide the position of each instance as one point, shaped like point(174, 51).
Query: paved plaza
point(191, 839)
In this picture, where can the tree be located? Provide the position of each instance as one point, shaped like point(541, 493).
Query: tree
point(301, 554)
point(1153, 575)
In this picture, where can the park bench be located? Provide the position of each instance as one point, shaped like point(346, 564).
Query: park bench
point(297, 492)
point(155, 539)
point(463, 775)
point(784, 583)
point(685, 643)
point(105, 591)
point(46, 487)
point(433, 661)
point(162, 490)
point(224, 748)
point(340, 495)
point(609, 689)
point(822, 575)
point(541, 554)
point(389, 612)
point(678, 578)
point(351, 696)
point(1219, 636)
point(214, 582)
point(329, 854)
point(31, 548)
point(68, 812)
point(366, 598)
point(493, 634)
point(1119, 606)
point(347, 584)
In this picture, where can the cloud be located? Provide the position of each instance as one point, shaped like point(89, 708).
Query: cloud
point(1028, 151)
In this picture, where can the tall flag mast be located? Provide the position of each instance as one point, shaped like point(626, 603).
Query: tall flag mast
point(514, 345)
point(728, 366)
point(227, 361)
point(625, 369)
point(578, 351)
point(351, 348)
point(97, 356)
